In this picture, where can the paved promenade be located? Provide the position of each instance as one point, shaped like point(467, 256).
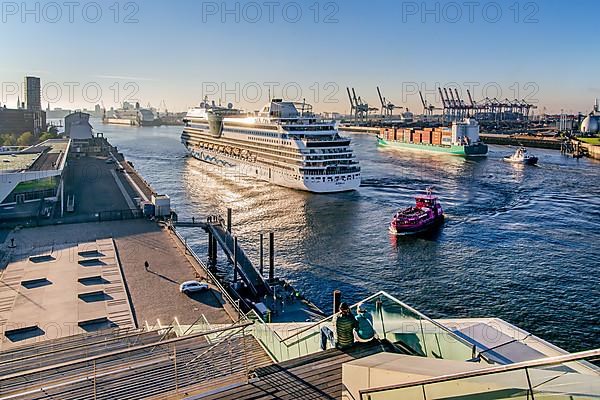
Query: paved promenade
point(153, 293)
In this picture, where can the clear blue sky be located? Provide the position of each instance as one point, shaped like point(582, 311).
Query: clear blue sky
point(179, 50)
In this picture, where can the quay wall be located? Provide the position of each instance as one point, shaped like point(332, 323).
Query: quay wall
point(591, 150)
point(522, 140)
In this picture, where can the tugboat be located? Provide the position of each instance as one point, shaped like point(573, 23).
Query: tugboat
point(521, 156)
point(425, 215)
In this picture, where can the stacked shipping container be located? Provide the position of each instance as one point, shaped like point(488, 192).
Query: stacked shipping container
point(436, 136)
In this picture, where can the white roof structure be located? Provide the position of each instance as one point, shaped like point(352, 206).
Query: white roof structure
point(44, 160)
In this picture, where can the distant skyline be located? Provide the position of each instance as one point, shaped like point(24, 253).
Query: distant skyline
point(174, 52)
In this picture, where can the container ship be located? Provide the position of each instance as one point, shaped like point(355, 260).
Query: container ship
point(462, 139)
point(284, 143)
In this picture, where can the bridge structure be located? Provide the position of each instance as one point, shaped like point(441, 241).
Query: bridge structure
point(220, 235)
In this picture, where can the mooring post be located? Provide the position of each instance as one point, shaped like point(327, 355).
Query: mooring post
point(235, 263)
point(215, 250)
point(271, 256)
point(229, 220)
point(262, 255)
point(337, 300)
point(210, 249)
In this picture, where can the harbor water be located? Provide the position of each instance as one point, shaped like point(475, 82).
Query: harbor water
point(520, 243)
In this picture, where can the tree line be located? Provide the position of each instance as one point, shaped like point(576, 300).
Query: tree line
point(25, 139)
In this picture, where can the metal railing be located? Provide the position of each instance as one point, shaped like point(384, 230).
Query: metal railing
point(563, 377)
point(275, 345)
point(174, 364)
point(101, 216)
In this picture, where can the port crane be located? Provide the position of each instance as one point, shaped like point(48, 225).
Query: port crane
point(359, 109)
point(474, 109)
point(487, 110)
point(387, 107)
point(428, 109)
point(450, 107)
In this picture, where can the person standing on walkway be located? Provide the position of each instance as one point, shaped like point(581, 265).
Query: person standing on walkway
point(146, 266)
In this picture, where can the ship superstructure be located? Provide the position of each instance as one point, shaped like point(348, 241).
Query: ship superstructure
point(284, 143)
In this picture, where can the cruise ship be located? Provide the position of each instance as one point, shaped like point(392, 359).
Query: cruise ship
point(284, 143)
point(132, 116)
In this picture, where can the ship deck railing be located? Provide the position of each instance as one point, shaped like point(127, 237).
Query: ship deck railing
point(323, 139)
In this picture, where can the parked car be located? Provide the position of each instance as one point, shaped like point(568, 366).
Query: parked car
point(193, 286)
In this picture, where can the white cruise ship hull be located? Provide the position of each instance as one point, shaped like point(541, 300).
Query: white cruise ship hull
point(284, 144)
point(279, 177)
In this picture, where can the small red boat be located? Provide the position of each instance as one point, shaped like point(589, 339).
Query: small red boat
point(426, 215)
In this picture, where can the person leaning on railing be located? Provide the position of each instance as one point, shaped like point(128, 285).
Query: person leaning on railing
point(344, 323)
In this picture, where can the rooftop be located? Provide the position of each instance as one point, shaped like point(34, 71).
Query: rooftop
point(55, 291)
point(152, 294)
point(48, 155)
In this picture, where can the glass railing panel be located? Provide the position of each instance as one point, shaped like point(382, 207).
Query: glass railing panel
point(442, 344)
point(391, 320)
point(573, 381)
point(576, 379)
point(398, 323)
point(308, 341)
point(511, 385)
point(505, 385)
point(268, 338)
point(414, 393)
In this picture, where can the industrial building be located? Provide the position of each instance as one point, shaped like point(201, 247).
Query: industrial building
point(28, 116)
point(31, 180)
point(591, 123)
point(20, 121)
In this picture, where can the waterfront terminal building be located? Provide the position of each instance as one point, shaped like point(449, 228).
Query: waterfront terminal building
point(31, 179)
